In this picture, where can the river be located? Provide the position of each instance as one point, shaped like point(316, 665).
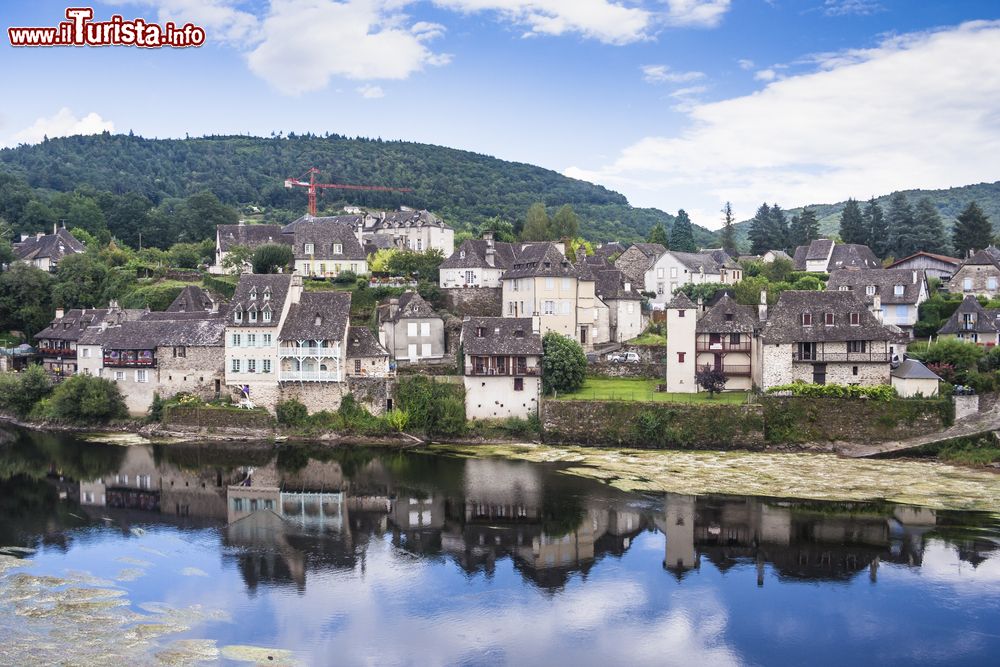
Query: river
point(229, 554)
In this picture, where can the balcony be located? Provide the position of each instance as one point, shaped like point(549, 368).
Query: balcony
point(846, 357)
point(531, 371)
point(129, 363)
point(319, 351)
point(721, 346)
point(64, 352)
point(736, 370)
point(308, 376)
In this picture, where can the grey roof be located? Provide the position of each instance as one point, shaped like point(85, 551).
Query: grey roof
point(543, 259)
point(606, 250)
point(412, 306)
point(148, 334)
point(350, 220)
point(407, 218)
point(981, 320)
point(844, 255)
point(276, 285)
point(53, 246)
point(318, 316)
point(727, 316)
point(911, 369)
point(325, 236)
point(362, 343)
point(501, 335)
point(819, 249)
point(986, 256)
point(680, 301)
point(192, 299)
point(780, 254)
point(74, 323)
point(472, 255)
point(610, 284)
point(884, 281)
point(249, 235)
point(651, 250)
point(784, 320)
point(698, 262)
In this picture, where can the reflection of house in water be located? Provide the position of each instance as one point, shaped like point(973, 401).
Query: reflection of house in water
point(135, 486)
point(265, 553)
point(677, 525)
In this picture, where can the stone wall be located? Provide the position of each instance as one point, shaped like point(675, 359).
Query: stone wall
point(371, 392)
point(614, 370)
point(203, 417)
point(799, 419)
point(965, 406)
point(480, 301)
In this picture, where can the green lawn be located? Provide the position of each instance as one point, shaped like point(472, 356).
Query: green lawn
point(629, 389)
point(650, 339)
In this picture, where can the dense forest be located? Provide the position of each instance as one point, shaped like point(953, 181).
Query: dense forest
point(248, 173)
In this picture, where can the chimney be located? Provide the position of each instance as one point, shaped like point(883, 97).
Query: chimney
point(701, 305)
point(536, 324)
point(914, 276)
point(491, 251)
point(393, 307)
point(55, 227)
point(60, 313)
point(628, 286)
point(39, 235)
point(762, 307)
point(877, 307)
point(215, 306)
point(242, 222)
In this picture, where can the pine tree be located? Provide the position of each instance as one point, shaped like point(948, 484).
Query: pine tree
point(760, 231)
point(728, 234)
point(804, 228)
point(682, 233)
point(876, 229)
point(536, 224)
point(899, 221)
point(973, 230)
point(658, 235)
point(778, 229)
point(929, 232)
point(852, 224)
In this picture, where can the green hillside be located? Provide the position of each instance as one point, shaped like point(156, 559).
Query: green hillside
point(462, 187)
point(949, 202)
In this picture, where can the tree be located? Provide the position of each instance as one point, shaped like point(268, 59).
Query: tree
point(929, 228)
point(778, 228)
point(712, 380)
point(87, 399)
point(502, 229)
point(80, 282)
point(760, 231)
point(899, 220)
point(728, 235)
point(658, 235)
point(682, 233)
point(413, 264)
point(37, 218)
point(19, 392)
point(378, 262)
point(565, 223)
point(536, 224)
point(25, 299)
point(804, 228)
point(199, 216)
point(972, 231)
point(852, 224)
point(564, 365)
point(876, 229)
point(272, 258)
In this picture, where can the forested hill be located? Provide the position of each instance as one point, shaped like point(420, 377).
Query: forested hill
point(462, 187)
point(949, 203)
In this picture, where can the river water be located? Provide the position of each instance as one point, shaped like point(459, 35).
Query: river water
point(226, 554)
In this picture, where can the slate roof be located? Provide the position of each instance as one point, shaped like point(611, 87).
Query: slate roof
point(784, 320)
point(610, 284)
point(727, 316)
point(361, 342)
point(192, 299)
point(500, 336)
point(885, 282)
point(954, 261)
point(680, 301)
point(318, 316)
point(819, 249)
point(249, 235)
point(844, 255)
point(324, 236)
point(696, 262)
point(412, 306)
point(350, 220)
point(651, 250)
point(606, 250)
point(148, 334)
point(911, 369)
point(408, 218)
point(72, 325)
point(541, 260)
point(278, 283)
point(472, 255)
point(780, 254)
point(986, 257)
point(53, 246)
point(984, 322)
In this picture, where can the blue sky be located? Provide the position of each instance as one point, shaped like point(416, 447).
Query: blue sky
point(675, 103)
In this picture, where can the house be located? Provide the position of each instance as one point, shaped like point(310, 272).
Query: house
point(502, 366)
point(825, 255)
point(311, 343)
point(325, 247)
point(413, 230)
point(543, 282)
point(979, 274)
point(673, 269)
point(972, 323)
point(637, 260)
point(228, 237)
point(365, 356)
point(624, 303)
point(933, 265)
point(477, 263)
point(772, 256)
point(900, 291)
point(410, 329)
point(823, 337)
point(682, 322)
point(194, 299)
point(609, 251)
point(57, 343)
point(43, 251)
point(726, 340)
point(912, 378)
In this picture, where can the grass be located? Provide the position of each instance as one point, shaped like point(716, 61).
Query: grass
point(629, 389)
point(649, 339)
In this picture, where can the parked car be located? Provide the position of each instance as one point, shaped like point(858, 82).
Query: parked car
point(624, 358)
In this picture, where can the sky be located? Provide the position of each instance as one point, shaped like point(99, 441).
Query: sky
point(674, 103)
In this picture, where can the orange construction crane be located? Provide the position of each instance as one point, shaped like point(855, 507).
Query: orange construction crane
point(314, 186)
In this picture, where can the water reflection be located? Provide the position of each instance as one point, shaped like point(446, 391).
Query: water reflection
point(287, 520)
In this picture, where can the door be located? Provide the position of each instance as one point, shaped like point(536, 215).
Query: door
point(583, 335)
point(411, 351)
point(819, 373)
point(718, 362)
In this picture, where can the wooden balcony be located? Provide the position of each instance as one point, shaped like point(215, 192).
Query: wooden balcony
point(130, 359)
point(308, 376)
point(843, 357)
point(531, 371)
point(64, 352)
point(305, 352)
point(721, 346)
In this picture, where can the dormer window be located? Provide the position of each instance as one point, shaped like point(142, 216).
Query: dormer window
point(338, 249)
point(308, 248)
point(729, 317)
point(253, 293)
point(266, 314)
point(807, 319)
point(870, 290)
point(238, 315)
point(855, 319)
point(319, 320)
point(461, 254)
point(898, 290)
point(252, 314)
point(519, 333)
point(480, 332)
point(267, 293)
point(845, 288)
point(828, 319)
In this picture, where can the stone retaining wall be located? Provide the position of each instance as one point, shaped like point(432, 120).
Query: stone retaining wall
point(476, 301)
point(202, 417)
point(613, 370)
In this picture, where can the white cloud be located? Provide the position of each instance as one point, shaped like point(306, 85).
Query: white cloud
point(745, 63)
point(62, 124)
point(696, 13)
point(370, 92)
point(306, 42)
point(918, 111)
point(765, 75)
point(663, 74)
point(849, 7)
point(221, 19)
point(604, 20)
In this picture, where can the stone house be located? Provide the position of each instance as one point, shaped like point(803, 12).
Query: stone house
point(772, 256)
point(972, 323)
point(312, 338)
point(825, 256)
point(979, 274)
point(228, 237)
point(58, 343)
point(673, 269)
point(899, 291)
point(365, 356)
point(477, 263)
point(912, 378)
point(933, 265)
point(636, 260)
point(726, 339)
point(325, 247)
point(823, 337)
point(43, 251)
point(414, 230)
point(502, 366)
point(410, 329)
point(624, 303)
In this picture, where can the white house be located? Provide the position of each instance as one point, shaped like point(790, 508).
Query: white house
point(502, 367)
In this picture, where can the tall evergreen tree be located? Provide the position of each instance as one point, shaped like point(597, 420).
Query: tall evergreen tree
point(658, 235)
point(760, 231)
point(852, 224)
point(973, 230)
point(929, 228)
point(536, 224)
point(778, 228)
point(682, 233)
point(728, 234)
point(876, 229)
point(804, 228)
point(565, 223)
point(899, 220)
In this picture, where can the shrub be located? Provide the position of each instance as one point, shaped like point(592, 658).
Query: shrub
point(881, 392)
point(346, 278)
point(397, 420)
point(710, 379)
point(963, 356)
point(87, 399)
point(564, 365)
point(291, 413)
point(156, 408)
point(19, 392)
point(272, 257)
point(434, 408)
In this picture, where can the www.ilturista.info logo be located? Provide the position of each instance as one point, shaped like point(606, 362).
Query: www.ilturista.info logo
point(81, 30)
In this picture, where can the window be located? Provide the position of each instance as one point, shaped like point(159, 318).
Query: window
point(845, 288)
point(267, 293)
point(518, 384)
point(251, 365)
point(420, 244)
point(425, 350)
point(266, 338)
point(828, 319)
point(967, 285)
point(237, 504)
point(734, 339)
point(86, 352)
point(991, 283)
point(251, 340)
point(680, 356)
point(630, 308)
point(511, 309)
point(253, 292)
point(550, 283)
point(480, 332)
point(898, 290)
point(870, 290)
point(519, 333)
point(673, 271)
point(425, 328)
point(236, 365)
point(238, 315)
point(659, 288)
point(854, 370)
point(267, 315)
point(807, 319)
point(252, 313)
point(411, 329)
point(265, 365)
point(470, 279)
point(338, 249)
point(308, 249)
point(729, 317)
point(659, 272)
point(681, 313)
point(857, 346)
point(121, 479)
point(119, 376)
point(902, 312)
point(180, 352)
point(322, 268)
point(565, 283)
point(357, 366)
point(143, 481)
point(141, 375)
point(855, 319)
point(236, 340)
